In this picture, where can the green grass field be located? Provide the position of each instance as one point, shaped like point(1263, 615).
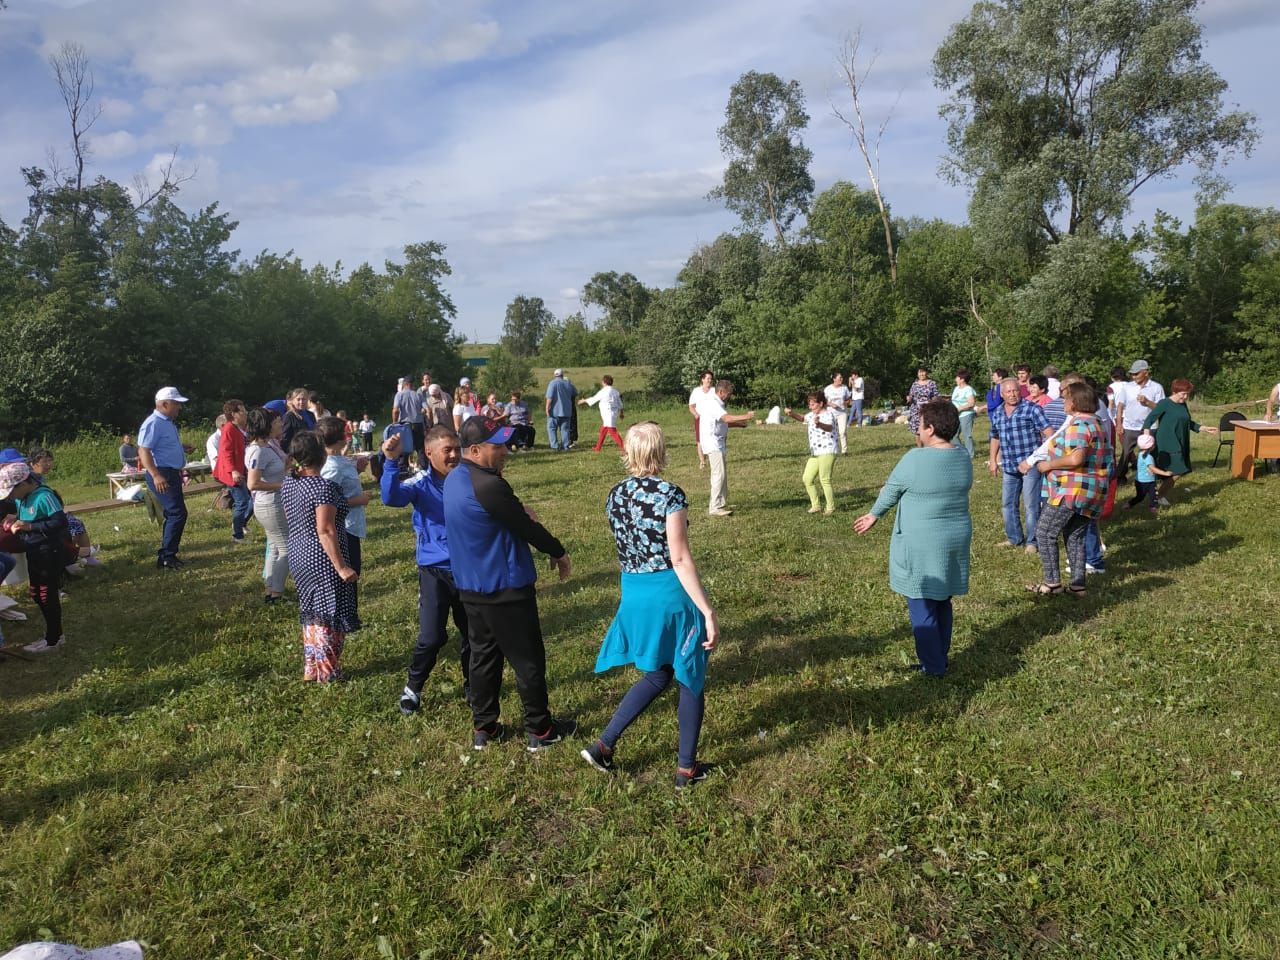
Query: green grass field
point(1094, 778)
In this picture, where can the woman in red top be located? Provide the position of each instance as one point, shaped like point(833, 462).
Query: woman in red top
point(230, 470)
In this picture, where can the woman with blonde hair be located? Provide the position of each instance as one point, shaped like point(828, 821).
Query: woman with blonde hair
point(463, 407)
point(665, 625)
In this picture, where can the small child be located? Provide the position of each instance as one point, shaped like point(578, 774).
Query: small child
point(1145, 479)
point(343, 472)
point(823, 443)
point(42, 526)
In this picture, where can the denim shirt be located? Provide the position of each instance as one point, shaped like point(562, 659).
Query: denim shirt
point(342, 471)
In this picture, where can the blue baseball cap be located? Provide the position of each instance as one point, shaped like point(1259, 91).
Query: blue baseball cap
point(11, 455)
point(483, 430)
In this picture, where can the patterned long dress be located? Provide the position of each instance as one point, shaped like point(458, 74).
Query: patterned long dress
point(921, 392)
point(326, 604)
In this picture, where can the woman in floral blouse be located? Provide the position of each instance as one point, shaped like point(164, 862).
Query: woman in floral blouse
point(1076, 474)
point(664, 625)
point(921, 392)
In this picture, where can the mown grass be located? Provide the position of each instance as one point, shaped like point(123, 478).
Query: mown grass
point(1094, 778)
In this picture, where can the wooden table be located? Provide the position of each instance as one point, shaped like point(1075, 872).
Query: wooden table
point(120, 479)
point(1255, 440)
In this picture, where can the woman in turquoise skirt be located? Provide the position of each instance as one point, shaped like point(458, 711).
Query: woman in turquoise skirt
point(664, 625)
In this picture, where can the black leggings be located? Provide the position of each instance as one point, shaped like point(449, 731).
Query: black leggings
point(44, 573)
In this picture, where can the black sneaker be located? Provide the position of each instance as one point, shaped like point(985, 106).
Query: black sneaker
point(685, 778)
point(558, 730)
point(482, 738)
point(599, 756)
point(409, 701)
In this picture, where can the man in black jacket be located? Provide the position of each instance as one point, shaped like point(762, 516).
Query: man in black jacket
point(490, 532)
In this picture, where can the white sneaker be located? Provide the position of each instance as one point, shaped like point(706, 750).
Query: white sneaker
point(1165, 503)
point(1090, 568)
point(44, 646)
point(719, 513)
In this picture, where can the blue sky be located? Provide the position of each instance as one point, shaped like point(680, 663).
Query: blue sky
point(541, 142)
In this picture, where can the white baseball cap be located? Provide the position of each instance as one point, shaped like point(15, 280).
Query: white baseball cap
point(170, 393)
point(557, 372)
point(464, 382)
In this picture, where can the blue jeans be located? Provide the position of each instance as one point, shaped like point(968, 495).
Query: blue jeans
point(642, 693)
point(1027, 486)
point(855, 412)
point(241, 508)
point(558, 432)
point(931, 624)
point(1093, 547)
point(175, 512)
point(966, 431)
point(7, 563)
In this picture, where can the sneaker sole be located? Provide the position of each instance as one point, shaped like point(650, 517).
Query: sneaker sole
point(586, 755)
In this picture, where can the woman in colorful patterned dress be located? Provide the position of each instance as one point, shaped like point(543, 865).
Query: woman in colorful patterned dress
point(1076, 475)
point(664, 625)
point(921, 392)
point(316, 512)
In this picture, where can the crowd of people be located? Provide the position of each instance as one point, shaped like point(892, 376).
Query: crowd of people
point(287, 464)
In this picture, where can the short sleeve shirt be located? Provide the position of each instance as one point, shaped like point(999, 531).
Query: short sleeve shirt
point(820, 441)
point(712, 431)
point(342, 471)
point(856, 387)
point(638, 508)
point(837, 397)
point(1019, 433)
point(159, 434)
point(409, 406)
point(1083, 488)
point(270, 464)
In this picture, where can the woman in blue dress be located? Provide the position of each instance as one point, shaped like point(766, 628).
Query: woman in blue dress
point(664, 625)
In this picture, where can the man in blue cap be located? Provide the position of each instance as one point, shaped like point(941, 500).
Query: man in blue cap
point(490, 532)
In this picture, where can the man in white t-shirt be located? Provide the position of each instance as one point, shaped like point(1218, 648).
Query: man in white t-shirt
point(713, 425)
point(1134, 400)
point(857, 390)
point(706, 382)
point(838, 396)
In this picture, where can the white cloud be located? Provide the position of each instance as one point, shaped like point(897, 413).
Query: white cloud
point(118, 143)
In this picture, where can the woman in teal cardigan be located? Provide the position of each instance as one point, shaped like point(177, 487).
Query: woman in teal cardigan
point(1172, 423)
point(929, 551)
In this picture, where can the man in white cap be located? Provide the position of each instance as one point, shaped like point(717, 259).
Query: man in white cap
point(162, 457)
point(560, 406)
point(1134, 400)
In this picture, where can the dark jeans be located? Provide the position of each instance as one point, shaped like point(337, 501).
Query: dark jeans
point(241, 508)
point(437, 596)
point(1128, 445)
point(44, 576)
point(7, 563)
point(353, 557)
point(507, 629)
point(419, 431)
point(931, 623)
point(642, 693)
point(175, 512)
point(1144, 491)
point(1072, 526)
point(522, 435)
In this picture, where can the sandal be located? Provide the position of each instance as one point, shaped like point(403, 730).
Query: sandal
point(1044, 589)
point(1077, 591)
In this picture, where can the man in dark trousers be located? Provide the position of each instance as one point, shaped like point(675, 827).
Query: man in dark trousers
point(490, 532)
point(437, 594)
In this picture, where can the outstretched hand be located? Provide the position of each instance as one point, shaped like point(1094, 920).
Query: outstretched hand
point(865, 522)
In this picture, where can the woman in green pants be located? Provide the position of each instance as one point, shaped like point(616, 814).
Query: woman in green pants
point(823, 443)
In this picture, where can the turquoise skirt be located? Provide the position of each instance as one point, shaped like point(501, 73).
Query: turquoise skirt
point(656, 625)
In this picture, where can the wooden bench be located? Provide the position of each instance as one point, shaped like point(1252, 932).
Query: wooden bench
point(98, 506)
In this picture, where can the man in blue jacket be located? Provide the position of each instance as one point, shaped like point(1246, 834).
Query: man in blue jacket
point(437, 594)
point(490, 533)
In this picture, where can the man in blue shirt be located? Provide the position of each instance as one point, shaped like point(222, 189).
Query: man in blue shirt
point(1017, 428)
point(162, 457)
point(437, 593)
point(561, 402)
point(490, 533)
